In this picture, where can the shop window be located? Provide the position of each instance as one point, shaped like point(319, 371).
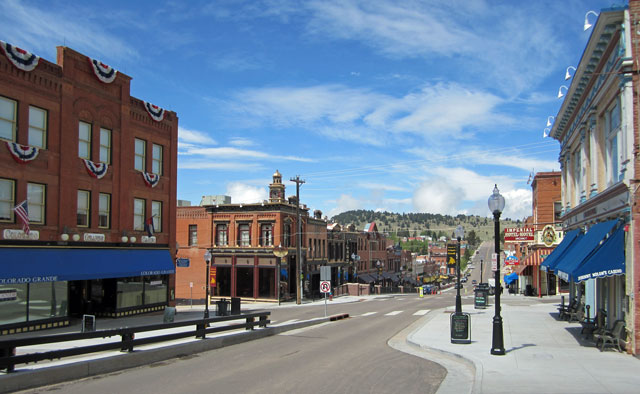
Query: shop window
point(47, 300)
point(82, 216)
point(84, 140)
point(244, 238)
point(36, 197)
point(37, 127)
point(193, 234)
point(129, 292)
point(8, 116)
point(156, 159)
point(155, 289)
point(105, 146)
point(7, 199)
point(104, 210)
point(222, 235)
point(266, 235)
point(138, 214)
point(140, 155)
point(156, 212)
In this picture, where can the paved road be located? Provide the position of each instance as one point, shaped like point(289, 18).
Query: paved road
point(349, 355)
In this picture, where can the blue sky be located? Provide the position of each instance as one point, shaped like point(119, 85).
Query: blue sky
point(403, 106)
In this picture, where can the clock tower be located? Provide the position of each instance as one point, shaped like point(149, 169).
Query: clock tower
point(276, 189)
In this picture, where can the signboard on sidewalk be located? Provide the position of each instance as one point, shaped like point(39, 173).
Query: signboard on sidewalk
point(460, 328)
point(523, 234)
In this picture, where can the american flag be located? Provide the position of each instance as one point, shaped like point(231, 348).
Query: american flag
point(22, 210)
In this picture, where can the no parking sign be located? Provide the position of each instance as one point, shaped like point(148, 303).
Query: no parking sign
point(325, 286)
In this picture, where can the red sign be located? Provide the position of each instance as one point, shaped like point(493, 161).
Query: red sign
point(212, 277)
point(525, 234)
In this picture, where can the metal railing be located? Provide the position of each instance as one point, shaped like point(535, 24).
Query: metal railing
point(8, 357)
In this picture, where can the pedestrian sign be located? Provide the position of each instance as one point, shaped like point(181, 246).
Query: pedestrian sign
point(325, 286)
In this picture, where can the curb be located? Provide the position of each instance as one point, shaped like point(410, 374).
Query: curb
point(28, 379)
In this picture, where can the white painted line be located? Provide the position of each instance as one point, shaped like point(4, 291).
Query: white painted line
point(421, 312)
point(394, 313)
point(287, 322)
point(368, 313)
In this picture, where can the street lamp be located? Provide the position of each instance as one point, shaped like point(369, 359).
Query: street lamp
point(379, 266)
point(481, 262)
point(459, 233)
point(496, 205)
point(280, 252)
point(207, 284)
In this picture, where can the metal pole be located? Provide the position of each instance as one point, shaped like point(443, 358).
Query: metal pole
point(278, 280)
point(299, 297)
point(481, 270)
point(458, 299)
point(206, 286)
point(497, 346)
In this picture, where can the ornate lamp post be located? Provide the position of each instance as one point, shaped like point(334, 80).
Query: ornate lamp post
point(496, 205)
point(280, 252)
point(459, 233)
point(207, 284)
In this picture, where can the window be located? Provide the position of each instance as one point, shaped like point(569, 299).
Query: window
point(557, 210)
point(37, 127)
point(577, 176)
point(222, 235)
point(156, 159)
point(8, 119)
point(193, 234)
point(7, 199)
point(84, 140)
point(84, 199)
point(104, 210)
point(105, 146)
point(140, 158)
point(156, 213)
point(266, 235)
point(612, 131)
point(244, 238)
point(36, 200)
point(287, 236)
point(138, 214)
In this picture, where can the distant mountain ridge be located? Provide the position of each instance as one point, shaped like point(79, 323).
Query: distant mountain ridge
point(416, 224)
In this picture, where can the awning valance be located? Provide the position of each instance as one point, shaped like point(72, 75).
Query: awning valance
point(537, 256)
point(32, 265)
point(608, 260)
point(583, 249)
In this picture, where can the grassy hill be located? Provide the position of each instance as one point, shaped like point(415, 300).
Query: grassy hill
point(415, 224)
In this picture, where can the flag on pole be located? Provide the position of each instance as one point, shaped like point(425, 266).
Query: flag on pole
point(148, 226)
point(22, 210)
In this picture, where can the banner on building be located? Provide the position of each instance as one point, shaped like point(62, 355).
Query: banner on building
point(451, 255)
point(212, 276)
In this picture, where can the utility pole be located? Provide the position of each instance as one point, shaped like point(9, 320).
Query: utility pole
point(298, 182)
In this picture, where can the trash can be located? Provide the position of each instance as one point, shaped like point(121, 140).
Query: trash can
point(222, 307)
point(235, 305)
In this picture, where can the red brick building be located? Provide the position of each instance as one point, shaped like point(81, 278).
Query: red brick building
point(95, 166)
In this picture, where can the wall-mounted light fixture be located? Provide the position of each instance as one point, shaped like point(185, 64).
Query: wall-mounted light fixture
point(560, 94)
point(546, 132)
point(125, 237)
point(567, 76)
point(550, 120)
point(586, 19)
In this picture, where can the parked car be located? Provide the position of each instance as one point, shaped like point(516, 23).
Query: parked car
point(474, 282)
point(463, 280)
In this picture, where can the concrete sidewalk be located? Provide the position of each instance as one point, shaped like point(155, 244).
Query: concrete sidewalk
point(544, 355)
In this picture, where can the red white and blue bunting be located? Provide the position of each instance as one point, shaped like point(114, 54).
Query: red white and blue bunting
point(150, 179)
point(96, 170)
point(104, 73)
point(21, 153)
point(154, 111)
point(25, 61)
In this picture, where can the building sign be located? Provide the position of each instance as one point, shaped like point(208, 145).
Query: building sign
point(212, 276)
point(19, 234)
point(549, 236)
point(451, 255)
point(8, 294)
point(145, 239)
point(524, 234)
point(184, 263)
point(89, 237)
point(511, 260)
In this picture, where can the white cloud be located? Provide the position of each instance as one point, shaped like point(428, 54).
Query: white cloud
point(518, 204)
point(240, 141)
point(228, 152)
point(242, 193)
point(217, 165)
point(380, 186)
point(194, 137)
point(345, 202)
point(437, 196)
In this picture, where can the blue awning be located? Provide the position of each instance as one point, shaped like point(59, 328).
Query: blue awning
point(31, 265)
point(608, 260)
point(550, 263)
point(510, 278)
point(584, 248)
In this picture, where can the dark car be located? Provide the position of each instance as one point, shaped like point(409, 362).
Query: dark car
point(474, 282)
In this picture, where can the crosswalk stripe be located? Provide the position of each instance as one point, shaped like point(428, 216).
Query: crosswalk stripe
point(394, 313)
point(368, 313)
point(421, 312)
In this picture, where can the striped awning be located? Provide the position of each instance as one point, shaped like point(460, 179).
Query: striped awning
point(537, 256)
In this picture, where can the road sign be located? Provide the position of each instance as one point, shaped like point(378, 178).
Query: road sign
point(325, 273)
point(325, 286)
point(494, 261)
